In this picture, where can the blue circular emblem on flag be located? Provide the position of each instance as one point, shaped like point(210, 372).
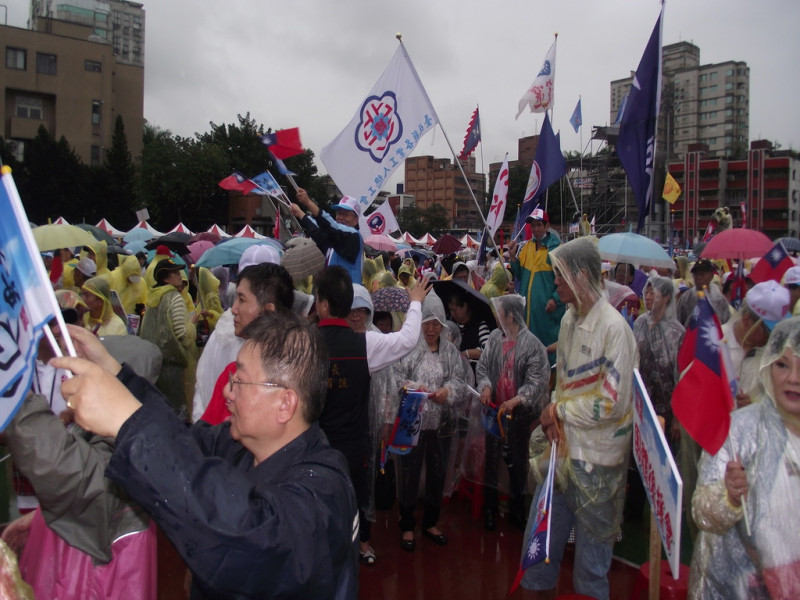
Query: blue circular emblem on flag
point(379, 126)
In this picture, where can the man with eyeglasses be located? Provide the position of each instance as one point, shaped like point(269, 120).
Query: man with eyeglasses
point(260, 506)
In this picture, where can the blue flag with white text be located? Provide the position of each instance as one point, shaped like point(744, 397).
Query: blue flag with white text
point(547, 168)
point(27, 303)
point(266, 185)
point(636, 145)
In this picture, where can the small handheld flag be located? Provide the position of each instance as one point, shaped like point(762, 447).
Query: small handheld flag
point(284, 144)
point(237, 182)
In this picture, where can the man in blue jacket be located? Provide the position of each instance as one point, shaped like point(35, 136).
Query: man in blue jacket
point(258, 507)
point(339, 239)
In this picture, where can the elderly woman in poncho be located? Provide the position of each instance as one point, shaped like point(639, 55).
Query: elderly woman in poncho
point(757, 470)
point(101, 319)
point(513, 377)
point(435, 366)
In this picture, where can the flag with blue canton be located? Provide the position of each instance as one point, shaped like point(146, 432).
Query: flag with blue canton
point(27, 303)
point(576, 120)
point(266, 185)
point(636, 145)
point(536, 545)
point(472, 137)
point(547, 168)
point(282, 168)
point(773, 265)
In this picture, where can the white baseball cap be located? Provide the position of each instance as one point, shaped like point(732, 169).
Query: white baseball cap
point(770, 301)
point(348, 203)
point(792, 276)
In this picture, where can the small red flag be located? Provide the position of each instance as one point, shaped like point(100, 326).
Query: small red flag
point(237, 183)
point(773, 265)
point(284, 143)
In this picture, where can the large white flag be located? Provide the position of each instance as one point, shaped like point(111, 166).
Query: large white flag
point(498, 208)
point(381, 222)
point(540, 94)
point(384, 131)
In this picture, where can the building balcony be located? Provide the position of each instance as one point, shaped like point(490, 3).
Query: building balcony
point(25, 129)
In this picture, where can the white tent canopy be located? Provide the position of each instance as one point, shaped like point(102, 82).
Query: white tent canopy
point(181, 228)
point(109, 228)
point(249, 232)
point(148, 227)
point(217, 230)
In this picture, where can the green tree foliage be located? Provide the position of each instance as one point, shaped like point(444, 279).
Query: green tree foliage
point(418, 222)
point(435, 219)
point(117, 178)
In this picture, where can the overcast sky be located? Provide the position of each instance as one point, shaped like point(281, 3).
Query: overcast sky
point(310, 63)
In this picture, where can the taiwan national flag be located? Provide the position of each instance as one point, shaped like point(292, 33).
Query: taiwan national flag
point(773, 265)
point(237, 183)
point(285, 143)
point(702, 401)
point(536, 546)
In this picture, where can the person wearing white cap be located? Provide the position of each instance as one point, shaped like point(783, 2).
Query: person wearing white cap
point(84, 270)
point(791, 281)
point(338, 239)
point(537, 282)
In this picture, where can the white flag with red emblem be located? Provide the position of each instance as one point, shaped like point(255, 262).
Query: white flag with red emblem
point(386, 128)
point(498, 208)
point(380, 222)
point(539, 96)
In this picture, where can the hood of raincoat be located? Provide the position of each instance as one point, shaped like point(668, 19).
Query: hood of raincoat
point(510, 313)
point(433, 310)
point(579, 263)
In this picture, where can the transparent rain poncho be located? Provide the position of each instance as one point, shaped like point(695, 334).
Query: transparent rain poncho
point(658, 337)
point(593, 396)
point(513, 364)
point(728, 563)
point(108, 323)
point(434, 370)
point(383, 399)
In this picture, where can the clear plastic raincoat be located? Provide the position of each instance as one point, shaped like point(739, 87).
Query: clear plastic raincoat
point(728, 563)
point(658, 337)
point(514, 364)
point(593, 396)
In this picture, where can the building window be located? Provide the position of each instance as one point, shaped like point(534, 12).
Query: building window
point(97, 106)
point(93, 66)
point(15, 58)
point(46, 63)
point(29, 108)
point(729, 73)
point(95, 156)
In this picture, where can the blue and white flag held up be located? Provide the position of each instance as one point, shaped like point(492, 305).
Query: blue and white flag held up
point(576, 120)
point(636, 145)
point(27, 302)
point(266, 185)
point(547, 168)
point(386, 128)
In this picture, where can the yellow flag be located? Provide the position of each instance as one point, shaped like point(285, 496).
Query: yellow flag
point(671, 189)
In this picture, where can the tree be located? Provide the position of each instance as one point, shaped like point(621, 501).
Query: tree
point(411, 220)
point(435, 220)
point(119, 174)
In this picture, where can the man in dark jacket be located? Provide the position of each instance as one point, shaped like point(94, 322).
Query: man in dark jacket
point(339, 239)
point(258, 507)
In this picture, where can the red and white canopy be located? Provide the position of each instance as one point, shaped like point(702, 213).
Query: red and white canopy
point(109, 228)
point(469, 242)
point(426, 240)
point(216, 229)
point(249, 232)
point(181, 228)
point(148, 227)
point(60, 221)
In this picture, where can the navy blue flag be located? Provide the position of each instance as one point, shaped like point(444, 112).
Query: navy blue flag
point(548, 167)
point(636, 146)
point(472, 137)
point(576, 120)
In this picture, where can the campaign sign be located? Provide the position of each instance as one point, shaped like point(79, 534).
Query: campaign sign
point(659, 472)
point(407, 425)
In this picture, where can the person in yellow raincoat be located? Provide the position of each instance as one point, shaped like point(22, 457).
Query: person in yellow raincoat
point(100, 319)
point(128, 283)
point(208, 300)
point(170, 326)
point(98, 252)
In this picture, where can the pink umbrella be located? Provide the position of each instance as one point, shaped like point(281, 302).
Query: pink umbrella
point(381, 242)
point(196, 249)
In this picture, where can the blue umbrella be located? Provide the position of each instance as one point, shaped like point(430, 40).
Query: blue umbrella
point(138, 234)
point(229, 251)
point(135, 247)
point(634, 249)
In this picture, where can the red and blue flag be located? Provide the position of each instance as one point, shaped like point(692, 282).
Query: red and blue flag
point(285, 143)
point(773, 264)
point(472, 137)
point(703, 400)
point(236, 182)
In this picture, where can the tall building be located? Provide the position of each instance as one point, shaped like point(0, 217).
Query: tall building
point(707, 104)
point(118, 23)
point(761, 191)
point(438, 181)
point(65, 76)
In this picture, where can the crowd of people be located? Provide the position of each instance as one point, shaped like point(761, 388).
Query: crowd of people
point(246, 411)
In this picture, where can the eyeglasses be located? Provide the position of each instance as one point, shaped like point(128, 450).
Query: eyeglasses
point(268, 384)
